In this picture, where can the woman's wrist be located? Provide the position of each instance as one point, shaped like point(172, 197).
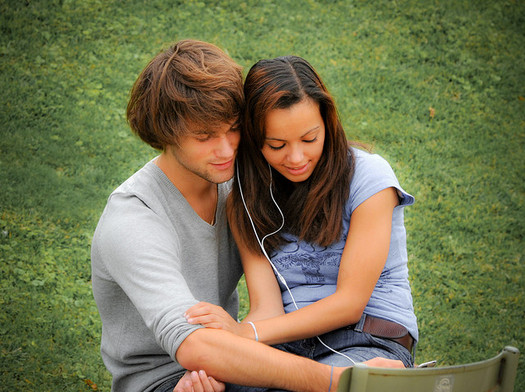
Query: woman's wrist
point(256, 335)
point(249, 330)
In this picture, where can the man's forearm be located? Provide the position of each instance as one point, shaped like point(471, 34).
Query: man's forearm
point(237, 360)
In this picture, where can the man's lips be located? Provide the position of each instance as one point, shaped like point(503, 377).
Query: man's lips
point(223, 165)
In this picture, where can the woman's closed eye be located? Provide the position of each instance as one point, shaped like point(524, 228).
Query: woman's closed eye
point(276, 147)
point(310, 140)
point(280, 146)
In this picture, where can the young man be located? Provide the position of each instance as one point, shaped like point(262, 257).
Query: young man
point(163, 244)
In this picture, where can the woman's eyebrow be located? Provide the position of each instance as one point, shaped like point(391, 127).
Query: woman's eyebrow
point(305, 134)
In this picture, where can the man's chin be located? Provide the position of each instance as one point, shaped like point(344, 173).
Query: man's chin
point(222, 178)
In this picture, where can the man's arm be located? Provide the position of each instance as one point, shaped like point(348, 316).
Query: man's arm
point(237, 360)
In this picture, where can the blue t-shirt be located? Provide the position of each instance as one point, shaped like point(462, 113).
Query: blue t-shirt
point(311, 270)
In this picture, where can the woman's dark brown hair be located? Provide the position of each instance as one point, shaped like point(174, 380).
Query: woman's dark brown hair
point(313, 209)
point(191, 83)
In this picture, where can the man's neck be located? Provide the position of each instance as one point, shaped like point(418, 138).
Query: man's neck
point(201, 194)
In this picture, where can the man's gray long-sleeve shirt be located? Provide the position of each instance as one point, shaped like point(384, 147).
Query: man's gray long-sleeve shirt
point(152, 258)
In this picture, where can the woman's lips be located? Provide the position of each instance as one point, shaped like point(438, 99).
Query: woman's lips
point(297, 171)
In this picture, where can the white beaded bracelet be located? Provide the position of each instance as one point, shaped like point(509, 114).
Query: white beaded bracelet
point(254, 330)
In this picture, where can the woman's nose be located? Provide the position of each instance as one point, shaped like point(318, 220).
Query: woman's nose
point(295, 154)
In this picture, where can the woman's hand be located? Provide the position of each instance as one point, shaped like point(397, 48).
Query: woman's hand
point(212, 316)
point(198, 382)
point(384, 363)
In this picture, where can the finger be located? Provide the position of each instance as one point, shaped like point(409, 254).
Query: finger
point(217, 385)
point(184, 382)
point(206, 305)
point(196, 382)
point(194, 310)
point(394, 364)
point(201, 309)
point(184, 386)
point(205, 381)
point(384, 362)
point(209, 321)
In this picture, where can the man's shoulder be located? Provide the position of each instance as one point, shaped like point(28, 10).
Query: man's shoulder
point(143, 178)
point(136, 212)
point(148, 185)
point(138, 195)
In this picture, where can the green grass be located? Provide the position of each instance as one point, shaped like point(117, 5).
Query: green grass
point(437, 87)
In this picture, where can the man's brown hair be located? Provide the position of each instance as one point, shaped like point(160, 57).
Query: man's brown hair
point(191, 83)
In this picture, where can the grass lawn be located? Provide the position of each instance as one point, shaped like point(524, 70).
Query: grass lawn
point(437, 87)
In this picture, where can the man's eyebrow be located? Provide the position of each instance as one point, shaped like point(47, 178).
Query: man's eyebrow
point(303, 135)
point(202, 132)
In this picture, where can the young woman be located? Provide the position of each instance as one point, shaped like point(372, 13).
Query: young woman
point(319, 226)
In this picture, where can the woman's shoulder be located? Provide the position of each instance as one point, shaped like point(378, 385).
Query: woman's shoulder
point(373, 173)
point(370, 164)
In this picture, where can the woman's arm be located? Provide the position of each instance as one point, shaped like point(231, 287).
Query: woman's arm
point(263, 290)
point(362, 261)
point(264, 294)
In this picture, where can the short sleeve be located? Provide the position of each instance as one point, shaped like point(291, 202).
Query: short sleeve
point(372, 174)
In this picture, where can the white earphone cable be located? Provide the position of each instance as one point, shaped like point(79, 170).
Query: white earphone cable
point(261, 244)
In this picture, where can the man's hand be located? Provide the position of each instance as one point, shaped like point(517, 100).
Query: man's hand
point(198, 382)
point(212, 316)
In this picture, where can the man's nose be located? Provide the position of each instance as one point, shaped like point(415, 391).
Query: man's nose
point(226, 146)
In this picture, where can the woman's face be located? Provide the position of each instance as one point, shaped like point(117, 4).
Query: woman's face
point(294, 139)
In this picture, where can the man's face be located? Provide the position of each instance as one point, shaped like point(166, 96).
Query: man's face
point(209, 153)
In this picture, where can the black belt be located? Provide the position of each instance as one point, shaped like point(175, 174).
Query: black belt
point(388, 330)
